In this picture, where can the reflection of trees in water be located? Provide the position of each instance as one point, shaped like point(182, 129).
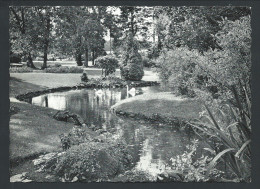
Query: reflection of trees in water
point(147, 142)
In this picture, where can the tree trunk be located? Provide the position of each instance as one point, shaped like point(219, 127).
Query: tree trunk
point(159, 43)
point(78, 59)
point(110, 43)
point(46, 43)
point(45, 56)
point(93, 57)
point(86, 58)
point(30, 61)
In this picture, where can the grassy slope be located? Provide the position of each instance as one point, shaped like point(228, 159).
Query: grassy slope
point(164, 104)
point(33, 130)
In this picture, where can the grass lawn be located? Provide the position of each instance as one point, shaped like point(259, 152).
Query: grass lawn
point(165, 104)
point(33, 131)
point(52, 80)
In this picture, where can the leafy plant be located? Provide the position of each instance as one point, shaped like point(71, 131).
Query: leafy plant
point(84, 77)
point(93, 161)
point(131, 67)
point(229, 129)
point(22, 69)
point(108, 63)
point(64, 69)
point(187, 168)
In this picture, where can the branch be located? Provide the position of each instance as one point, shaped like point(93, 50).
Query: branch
point(18, 20)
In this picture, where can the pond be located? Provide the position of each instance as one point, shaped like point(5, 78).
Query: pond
point(152, 144)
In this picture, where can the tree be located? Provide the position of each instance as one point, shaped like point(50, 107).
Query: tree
point(80, 31)
point(188, 71)
point(194, 26)
point(30, 31)
point(23, 36)
point(132, 67)
point(68, 30)
point(108, 63)
point(45, 15)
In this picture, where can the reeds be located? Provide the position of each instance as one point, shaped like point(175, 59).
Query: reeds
point(228, 135)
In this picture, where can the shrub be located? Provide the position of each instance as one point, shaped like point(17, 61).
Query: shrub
point(57, 65)
point(178, 68)
point(93, 161)
point(64, 69)
point(213, 71)
point(14, 58)
point(132, 66)
point(84, 77)
point(108, 63)
point(23, 69)
point(148, 63)
point(187, 168)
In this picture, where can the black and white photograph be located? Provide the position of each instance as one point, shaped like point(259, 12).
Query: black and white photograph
point(130, 94)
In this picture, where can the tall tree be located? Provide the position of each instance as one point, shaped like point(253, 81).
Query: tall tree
point(30, 31)
point(80, 31)
point(23, 36)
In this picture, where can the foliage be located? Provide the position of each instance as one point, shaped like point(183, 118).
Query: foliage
point(64, 69)
point(190, 72)
point(108, 63)
point(80, 31)
point(230, 127)
point(22, 69)
point(30, 31)
point(57, 65)
point(178, 69)
point(131, 67)
point(148, 63)
point(194, 27)
point(84, 77)
point(93, 161)
point(109, 81)
point(190, 169)
point(15, 58)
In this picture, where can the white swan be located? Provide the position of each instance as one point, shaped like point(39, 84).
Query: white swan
point(132, 91)
point(98, 91)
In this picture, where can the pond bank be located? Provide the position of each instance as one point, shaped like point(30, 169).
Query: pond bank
point(162, 107)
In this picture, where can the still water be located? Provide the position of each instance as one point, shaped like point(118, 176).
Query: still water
point(152, 144)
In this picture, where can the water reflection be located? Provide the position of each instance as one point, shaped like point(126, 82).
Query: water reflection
point(151, 146)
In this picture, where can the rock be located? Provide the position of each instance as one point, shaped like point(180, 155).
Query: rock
point(132, 115)
point(49, 176)
point(27, 180)
point(74, 179)
point(19, 178)
point(47, 161)
point(68, 117)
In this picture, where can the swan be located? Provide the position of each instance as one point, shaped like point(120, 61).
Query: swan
point(98, 92)
point(131, 91)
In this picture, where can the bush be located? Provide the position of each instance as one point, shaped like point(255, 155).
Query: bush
point(64, 69)
point(57, 65)
point(93, 161)
point(227, 130)
point(214, 71)
point(23, 69)
point(187, 168)
point(132, 66)
point(14, 58)
point(148, 63)
point(108, 63)
point(84, 77)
